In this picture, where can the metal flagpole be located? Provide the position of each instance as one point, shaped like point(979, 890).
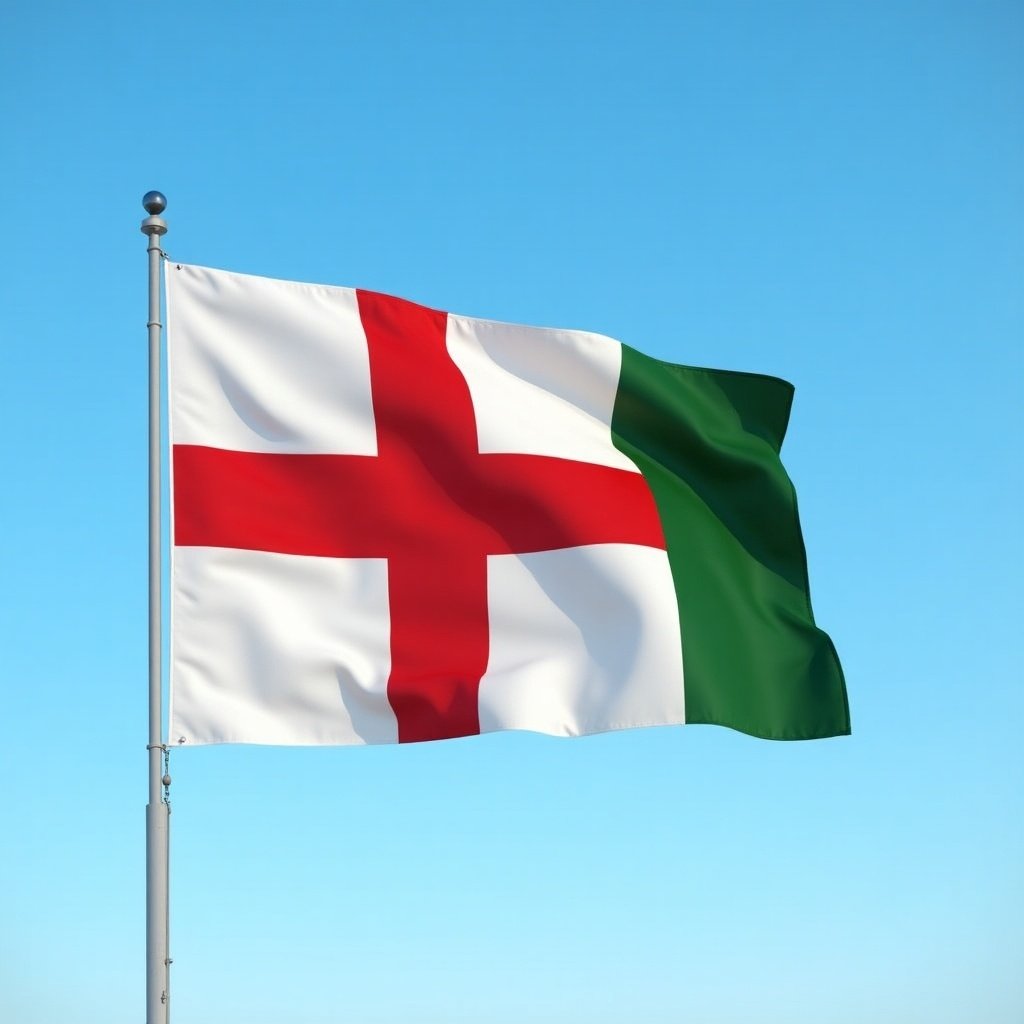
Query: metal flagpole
point(158, 809)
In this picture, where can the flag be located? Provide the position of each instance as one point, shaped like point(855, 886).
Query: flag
point(392, 524)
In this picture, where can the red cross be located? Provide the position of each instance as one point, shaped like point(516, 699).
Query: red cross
point(429, 502)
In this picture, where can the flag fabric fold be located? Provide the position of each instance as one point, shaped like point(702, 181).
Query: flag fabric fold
point(393, 524)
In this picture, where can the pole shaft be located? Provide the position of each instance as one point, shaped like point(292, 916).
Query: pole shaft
point(157, 811)
point(157, 965)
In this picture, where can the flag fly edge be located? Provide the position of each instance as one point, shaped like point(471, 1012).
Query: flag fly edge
point(708, 442)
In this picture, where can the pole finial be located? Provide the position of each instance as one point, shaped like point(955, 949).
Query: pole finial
point(154, 225)
point(154, 203)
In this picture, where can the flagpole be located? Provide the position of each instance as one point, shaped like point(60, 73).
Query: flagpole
point(157, 810)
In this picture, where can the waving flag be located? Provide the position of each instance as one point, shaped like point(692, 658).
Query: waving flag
point(394, 524)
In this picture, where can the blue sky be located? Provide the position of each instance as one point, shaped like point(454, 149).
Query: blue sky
point(829, 192)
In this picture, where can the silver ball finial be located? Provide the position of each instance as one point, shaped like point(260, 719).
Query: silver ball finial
point(154, 203)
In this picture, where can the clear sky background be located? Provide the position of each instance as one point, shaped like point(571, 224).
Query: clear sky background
point(831, 192)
